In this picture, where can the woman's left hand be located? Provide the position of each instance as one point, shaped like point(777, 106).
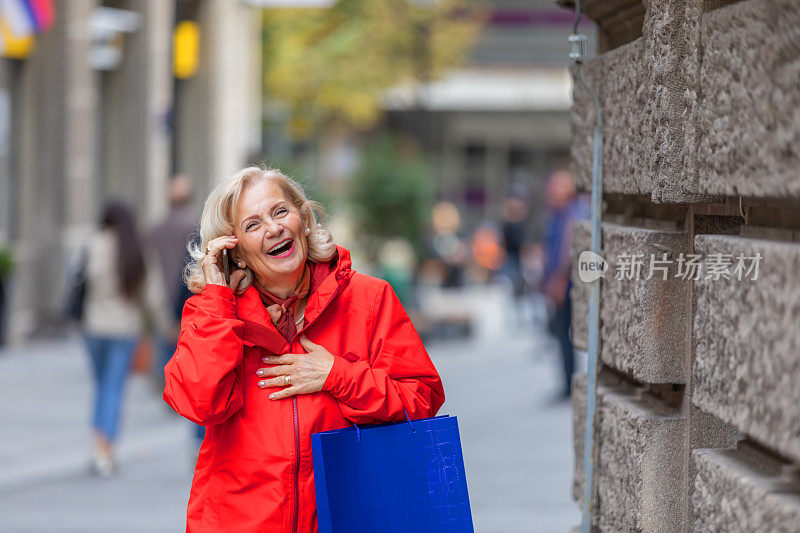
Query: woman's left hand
point(306, 372)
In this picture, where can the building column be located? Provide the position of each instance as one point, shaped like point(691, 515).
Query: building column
point(39, 144)
point(159, 24)
point(136, 97)
point(495, 176)
point(219, 108)
point(80, 123)
point(451, 170)
point(235, 85)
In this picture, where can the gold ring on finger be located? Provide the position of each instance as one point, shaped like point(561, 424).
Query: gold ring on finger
point(286, 380)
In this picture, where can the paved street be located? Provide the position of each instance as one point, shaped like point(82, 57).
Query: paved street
point(517, 448)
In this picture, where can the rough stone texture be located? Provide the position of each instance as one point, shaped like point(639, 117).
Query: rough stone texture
point(704, 107)
point(747, 116)
point(581, 122)
point(705, 104)
point(747, 343)
point(706, 431)
point(645, 323)
point(639, 442)
point(617, 78)
point(671, 63)
point(743, 491)
point(578, 429)
point(581, 240)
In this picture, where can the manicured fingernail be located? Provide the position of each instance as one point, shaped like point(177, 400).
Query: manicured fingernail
point(271, 396)
point(259, 372)
point(262, 383)
point(266, 360)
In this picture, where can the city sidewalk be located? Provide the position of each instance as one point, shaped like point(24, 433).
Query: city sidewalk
point(517, 448)
point(517, 444)
point(45, 484)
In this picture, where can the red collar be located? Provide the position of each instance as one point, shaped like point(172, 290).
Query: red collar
point(328, 280)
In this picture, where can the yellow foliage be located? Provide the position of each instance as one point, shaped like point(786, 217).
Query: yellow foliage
point(333, 65)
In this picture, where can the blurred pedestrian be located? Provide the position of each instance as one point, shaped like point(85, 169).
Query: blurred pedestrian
point(169, 239)
point(514, 230)
point(112, 321)
point(487, 250)
point(565, 207)
point(447, 247)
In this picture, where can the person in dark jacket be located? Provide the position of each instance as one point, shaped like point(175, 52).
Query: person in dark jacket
point(168, 240)
point(565, 208)
point(296, 342)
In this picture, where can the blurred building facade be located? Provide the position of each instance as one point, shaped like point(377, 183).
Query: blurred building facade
point(95, 111)
point(697, 425)
point(496, 126)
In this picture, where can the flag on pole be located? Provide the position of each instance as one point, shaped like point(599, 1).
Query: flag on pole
point(44, 13)
point(11, 44)
point(19, 17)
point(19, 20)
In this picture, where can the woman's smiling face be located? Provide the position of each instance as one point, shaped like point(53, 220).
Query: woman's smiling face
point(271, 233)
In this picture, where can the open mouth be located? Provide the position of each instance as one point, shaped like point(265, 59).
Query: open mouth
point(281, 248)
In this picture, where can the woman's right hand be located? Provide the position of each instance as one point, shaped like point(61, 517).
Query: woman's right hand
point(212, 262)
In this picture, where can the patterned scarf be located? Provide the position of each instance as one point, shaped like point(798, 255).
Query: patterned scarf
point(281, 310)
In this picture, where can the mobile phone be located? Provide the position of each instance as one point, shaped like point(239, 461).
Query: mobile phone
point(225, 270)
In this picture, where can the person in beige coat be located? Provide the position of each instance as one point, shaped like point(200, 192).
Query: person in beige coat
point(113, 319)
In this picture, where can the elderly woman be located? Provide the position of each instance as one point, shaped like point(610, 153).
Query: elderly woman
point(296, 343)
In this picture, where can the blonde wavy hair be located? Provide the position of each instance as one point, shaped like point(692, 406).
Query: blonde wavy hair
point(219, 214)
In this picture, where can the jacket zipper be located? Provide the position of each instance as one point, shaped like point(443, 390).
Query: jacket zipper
point(296, 464)
point(296, 517)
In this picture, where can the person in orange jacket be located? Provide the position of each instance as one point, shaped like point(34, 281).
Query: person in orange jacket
point(296, 343)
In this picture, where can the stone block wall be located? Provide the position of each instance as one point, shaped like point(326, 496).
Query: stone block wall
point(746, 368)
point(645, 333)
point(744, 490)
point(705, 103)
point(639, 443)
point(697, 424)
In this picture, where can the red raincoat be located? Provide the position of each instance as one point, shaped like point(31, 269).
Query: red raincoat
point(255, 469)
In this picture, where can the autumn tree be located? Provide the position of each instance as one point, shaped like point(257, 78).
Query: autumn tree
point(332, 65)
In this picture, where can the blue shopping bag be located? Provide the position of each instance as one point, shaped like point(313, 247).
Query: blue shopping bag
point(403, 477)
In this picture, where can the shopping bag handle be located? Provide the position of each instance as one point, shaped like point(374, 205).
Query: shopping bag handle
point(358, 430)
